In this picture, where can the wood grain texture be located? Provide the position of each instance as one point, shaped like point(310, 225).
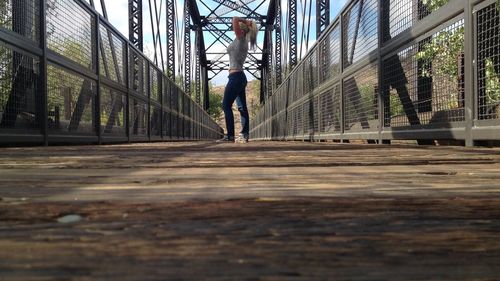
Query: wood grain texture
point(260, 211)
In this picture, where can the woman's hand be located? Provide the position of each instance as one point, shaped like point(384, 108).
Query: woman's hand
point(238, 30)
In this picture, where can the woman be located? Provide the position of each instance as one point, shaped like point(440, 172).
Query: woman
point(246, 33)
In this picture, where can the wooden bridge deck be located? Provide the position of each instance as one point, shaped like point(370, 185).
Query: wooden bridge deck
point(260, 211)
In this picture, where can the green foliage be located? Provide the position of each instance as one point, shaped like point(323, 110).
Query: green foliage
point(5, 75)
point(396, 105)
point(367, 93)
point(445, 49)
point(255, 93)
point(435, 4)
point(492, 84)
point(5, 15)
point(215, 105)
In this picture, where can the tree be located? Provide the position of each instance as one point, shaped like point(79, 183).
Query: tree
point(215, 109)
point(447, 48)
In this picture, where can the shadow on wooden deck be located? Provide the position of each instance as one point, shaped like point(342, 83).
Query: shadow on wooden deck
point(263, 211)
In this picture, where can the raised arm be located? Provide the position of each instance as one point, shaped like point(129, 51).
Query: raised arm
point(236, 27)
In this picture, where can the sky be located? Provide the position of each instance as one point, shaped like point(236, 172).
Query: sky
point(118, 16)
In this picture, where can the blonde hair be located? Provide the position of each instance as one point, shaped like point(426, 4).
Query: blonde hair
point(252, 34)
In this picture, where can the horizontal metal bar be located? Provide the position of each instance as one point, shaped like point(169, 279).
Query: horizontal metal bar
point(70, 65)
point(16, 41)
point(486, 133)
point(81, 139)
point(113, 85)
point(113, 139)
point(371, 59)
point(444, 133)
point(361, 135)
point(21, 138)
point(136, 138)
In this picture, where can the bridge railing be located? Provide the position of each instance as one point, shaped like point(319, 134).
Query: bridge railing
point(67, 75)
point(387, 70)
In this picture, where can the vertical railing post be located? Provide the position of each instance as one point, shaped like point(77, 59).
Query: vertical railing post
point(43, 73)
point(206, 90)
point(383, 10)
point(342, 98)
point(160, 100)
point(97, 107)
point(469, 58)
point(129, 86)
point(147, 81)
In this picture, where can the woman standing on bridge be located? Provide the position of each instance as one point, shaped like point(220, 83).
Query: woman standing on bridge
point(246, 33)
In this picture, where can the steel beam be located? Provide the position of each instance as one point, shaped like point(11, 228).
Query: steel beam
point(292, 35)
point(322, 16)
point(187, 49)
point(170, 39)
point(135, 31)
point(277, 45)
point(198, 71)
point(237, 7)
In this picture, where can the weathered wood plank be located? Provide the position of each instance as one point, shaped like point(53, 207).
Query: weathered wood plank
point(262, 211)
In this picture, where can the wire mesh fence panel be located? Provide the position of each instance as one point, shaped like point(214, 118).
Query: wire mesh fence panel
point(488, 62)
point(332, 45)
point(175, 125)
point(423, 73)
point(70, 103)
point(330, 107)
point(180, 105)
point(403, 14)
point(20, 98)
point(69, 32)
point(361, 100)
point(167, 124)
point(281, 125)
point(154, 84)
point(113, 110)
point(187, 107)
point(186, 128)
point(174, 98)
point(297, 120)
point(138, 116)
point(22, 17)
point(155, 120)
point(307, 116)
point(314, 69)
point(298, 84)
point(138, 73)
point(166, 93)
point(360, 31)
point(316, 115)
point(73, 58)
point(424, 83)
point(400, 16)
point(112, 56)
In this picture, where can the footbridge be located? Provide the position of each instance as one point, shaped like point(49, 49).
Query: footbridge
point(373, 152)
point(379, 71)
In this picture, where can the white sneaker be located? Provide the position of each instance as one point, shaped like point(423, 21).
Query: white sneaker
point(241, 139)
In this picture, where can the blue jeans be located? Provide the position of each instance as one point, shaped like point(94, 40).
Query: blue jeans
point(235, 90)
